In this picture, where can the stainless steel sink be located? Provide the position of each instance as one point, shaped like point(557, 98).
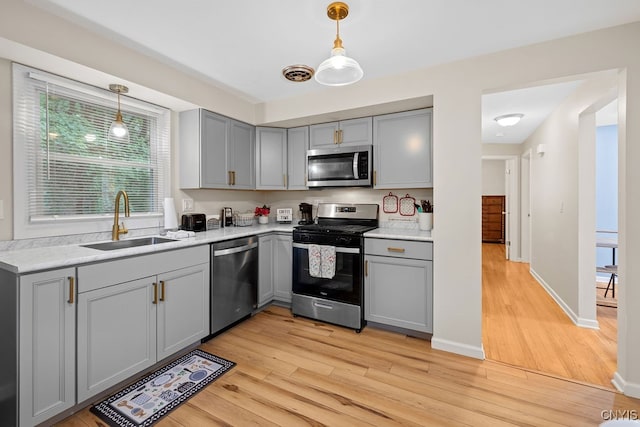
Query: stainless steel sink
point(128, 243)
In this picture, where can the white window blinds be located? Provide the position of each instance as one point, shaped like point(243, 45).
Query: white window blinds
point(66, 167)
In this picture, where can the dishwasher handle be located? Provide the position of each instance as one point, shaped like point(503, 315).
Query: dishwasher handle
point(223, 252)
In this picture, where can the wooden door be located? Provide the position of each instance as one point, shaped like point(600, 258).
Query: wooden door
point(492, 219)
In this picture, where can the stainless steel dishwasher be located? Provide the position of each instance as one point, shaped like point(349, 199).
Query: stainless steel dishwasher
point(234, 281)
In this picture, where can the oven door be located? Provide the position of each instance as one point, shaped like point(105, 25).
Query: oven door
point(346, 284)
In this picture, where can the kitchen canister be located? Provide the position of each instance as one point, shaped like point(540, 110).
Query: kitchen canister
point(425, 221)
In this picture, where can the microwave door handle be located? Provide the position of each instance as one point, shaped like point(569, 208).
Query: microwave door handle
point(356, 175)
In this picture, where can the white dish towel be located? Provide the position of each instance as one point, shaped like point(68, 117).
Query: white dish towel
point(322, 261)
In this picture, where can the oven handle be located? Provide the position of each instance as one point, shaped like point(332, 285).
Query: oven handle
point(338, 249)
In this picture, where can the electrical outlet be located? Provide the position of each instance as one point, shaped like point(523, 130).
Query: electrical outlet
point(187, 205)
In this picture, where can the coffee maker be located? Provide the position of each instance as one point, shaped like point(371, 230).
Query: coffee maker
point(306, 216)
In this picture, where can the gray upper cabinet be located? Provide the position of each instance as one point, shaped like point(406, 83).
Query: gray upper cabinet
point(271, 158)
point(402, 150)
point(215, 151)
point(346, 132)
point(241, 160)
point(297, 146)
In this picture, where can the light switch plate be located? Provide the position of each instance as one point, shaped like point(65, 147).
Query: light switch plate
point(187, 205)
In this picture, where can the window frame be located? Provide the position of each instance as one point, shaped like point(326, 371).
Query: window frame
point(26, 227)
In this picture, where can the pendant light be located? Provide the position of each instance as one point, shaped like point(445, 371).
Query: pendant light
point(338, 69)
point(118, 130)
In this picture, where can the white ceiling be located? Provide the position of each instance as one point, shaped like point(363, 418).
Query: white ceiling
point(536, 103)
point(243, 45)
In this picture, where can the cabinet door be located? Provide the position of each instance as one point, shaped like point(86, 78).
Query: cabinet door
point(283, 267)
point(265, 268)
point(47, 345)
point(213, 150)
point(297, 146)
point(402, 150)
point(182, 309)
point(241, 155)
point(356, 131)
point(398, 292)
point(271, 158)
point(116, 334)
point(323, 135)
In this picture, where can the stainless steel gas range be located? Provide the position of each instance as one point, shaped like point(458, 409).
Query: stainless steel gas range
point(328, 264)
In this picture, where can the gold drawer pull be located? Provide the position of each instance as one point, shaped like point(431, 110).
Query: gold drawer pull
point(155, 293)
point(398, 250)
point(162, 290)
point(71, 289)
point(366, 267)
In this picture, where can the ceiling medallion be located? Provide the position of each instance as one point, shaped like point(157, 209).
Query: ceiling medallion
point(297, 73)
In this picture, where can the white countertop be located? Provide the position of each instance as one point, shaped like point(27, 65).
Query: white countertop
point(45, 258)
point(29, 260)
point(400, 233)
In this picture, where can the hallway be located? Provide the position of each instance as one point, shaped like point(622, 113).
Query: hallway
point(523, 326)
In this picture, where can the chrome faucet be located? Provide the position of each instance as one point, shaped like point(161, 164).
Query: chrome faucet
point(117, 229)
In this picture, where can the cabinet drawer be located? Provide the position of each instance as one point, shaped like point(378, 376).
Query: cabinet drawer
point(399, 248)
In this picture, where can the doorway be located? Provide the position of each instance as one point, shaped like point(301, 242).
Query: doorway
point(559, 202)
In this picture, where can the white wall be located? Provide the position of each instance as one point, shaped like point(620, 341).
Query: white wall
point(493, 177)
point(456, 89)
point(554, 194)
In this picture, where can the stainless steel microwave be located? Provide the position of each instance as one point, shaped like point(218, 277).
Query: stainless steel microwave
point(349, 166)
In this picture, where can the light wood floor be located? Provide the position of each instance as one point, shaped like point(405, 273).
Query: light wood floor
point(297, 372)
point(523, 326)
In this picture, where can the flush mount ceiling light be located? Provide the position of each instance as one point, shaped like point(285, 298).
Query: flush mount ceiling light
point(338, 69)
point(118, 129)
point(509, 119)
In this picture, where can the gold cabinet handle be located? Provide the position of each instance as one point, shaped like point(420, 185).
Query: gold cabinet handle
point(340, 136)
point(335, 136)
point(233, 174)
point(155, 293)
point(375, 178)
point(229, 178)
point(366, 267)
point(71, 289)
point(398, 250)
point(284, 177)
point(162, 290)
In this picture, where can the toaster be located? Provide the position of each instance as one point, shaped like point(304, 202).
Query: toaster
point(194, 222)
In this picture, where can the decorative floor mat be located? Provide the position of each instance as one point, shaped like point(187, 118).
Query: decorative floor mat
point(157, 394)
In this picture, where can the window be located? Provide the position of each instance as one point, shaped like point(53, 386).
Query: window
point(67, 171)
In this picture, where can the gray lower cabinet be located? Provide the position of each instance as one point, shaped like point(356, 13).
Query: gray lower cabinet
point(265, 268)
point(47, 340)
point(399, 283)
point(402, 150)
point(283, 267)
point(271, 158)
point(297, 146)
point(136, 311)
point(275, 268)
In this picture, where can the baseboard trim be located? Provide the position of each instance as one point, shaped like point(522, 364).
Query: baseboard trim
point(629, 389)
point(567, 310)
point(458, 348)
